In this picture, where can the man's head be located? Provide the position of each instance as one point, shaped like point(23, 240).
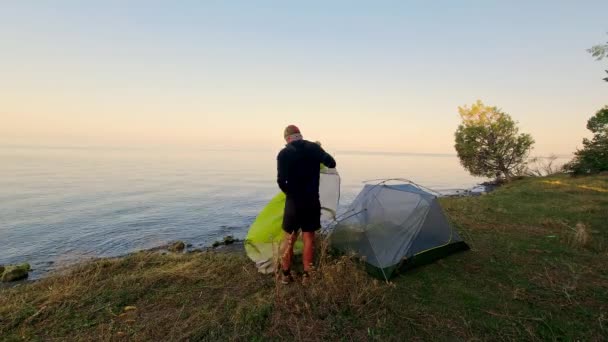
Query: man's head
point(292, 133)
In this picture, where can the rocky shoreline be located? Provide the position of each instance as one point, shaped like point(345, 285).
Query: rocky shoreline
point(478, 190)
point(14, 275)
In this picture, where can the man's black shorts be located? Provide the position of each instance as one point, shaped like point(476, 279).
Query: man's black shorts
point(302, 214)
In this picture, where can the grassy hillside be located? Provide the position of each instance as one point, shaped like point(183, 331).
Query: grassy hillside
point(537, 271)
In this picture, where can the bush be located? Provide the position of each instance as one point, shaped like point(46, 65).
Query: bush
point(542, 167)
point(593, 157)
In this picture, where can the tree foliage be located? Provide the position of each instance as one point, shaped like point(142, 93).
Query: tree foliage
point(489, 144)
point(593, 157)
point(599, 51)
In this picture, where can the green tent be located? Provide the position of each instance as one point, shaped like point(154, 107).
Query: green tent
point(265, 234)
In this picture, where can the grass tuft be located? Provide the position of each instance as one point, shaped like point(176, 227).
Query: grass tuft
point(581, 235)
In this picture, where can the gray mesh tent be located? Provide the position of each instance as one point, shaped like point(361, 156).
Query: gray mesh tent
point(395, 227)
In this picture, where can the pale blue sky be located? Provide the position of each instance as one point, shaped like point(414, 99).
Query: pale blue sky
point(366, 75)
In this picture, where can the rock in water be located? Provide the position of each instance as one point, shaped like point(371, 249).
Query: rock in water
point(15, 272)
point(177, 246)
point(228, 240)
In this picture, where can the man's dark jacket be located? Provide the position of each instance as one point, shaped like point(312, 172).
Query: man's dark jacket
point(298, 167)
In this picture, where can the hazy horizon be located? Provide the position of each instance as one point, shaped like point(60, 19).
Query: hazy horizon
point(382, 77)
point(192, 148)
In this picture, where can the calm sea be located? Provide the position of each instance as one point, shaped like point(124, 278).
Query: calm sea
point(59, 205)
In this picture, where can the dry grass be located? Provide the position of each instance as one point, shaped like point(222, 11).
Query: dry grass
point(205, 296)
point(338, 295)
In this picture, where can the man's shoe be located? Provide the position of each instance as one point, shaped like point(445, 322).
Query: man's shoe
point(286, 277)
point(306, 278)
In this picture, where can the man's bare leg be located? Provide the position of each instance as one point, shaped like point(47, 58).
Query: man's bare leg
point(309, 250)
point(289, 241)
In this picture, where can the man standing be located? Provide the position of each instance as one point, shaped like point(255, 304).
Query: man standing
point(298, 166)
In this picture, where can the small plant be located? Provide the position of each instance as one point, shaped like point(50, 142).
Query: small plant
point(542, 167)
point(581, 235)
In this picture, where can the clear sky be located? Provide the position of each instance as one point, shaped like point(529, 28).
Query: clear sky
point(357, 75)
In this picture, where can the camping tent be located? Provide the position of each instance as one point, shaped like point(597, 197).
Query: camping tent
point(265, 234)
point(395, 226)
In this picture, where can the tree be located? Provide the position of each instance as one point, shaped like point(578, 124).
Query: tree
point(593, 158)
point(489, 144)
point(599, 52)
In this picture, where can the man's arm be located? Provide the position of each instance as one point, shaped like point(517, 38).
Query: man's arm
point(326, 158)
point(282, 172)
